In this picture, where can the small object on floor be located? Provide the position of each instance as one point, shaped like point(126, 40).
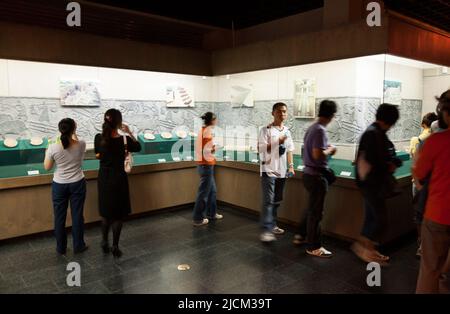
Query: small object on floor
point(299, 240)
point(183, 267)
point(419, 252)
point(105, 248)
point(79, 251)
point(277, 230)
point(217, 217)
point(267, 237)
point(116, 252)
point(320, 252)
point(204, 222)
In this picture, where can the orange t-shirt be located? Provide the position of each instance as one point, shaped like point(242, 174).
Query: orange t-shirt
point(434, 158)
point(204, 147)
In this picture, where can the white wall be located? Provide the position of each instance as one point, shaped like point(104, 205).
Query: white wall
point(433, 86)
point(334, 78)
point(38, 79)
point(350, 77)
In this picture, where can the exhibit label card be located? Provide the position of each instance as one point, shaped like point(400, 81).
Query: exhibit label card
point(255, 161)
point(162, 160)
point(176, 159)
point(33, 172)
point(301, 167)
point(346, 173)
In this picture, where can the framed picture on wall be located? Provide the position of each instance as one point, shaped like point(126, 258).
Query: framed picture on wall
point(79, 93)
point(241, 96)
point(305, 99)
point(392, 92)
point(178, 96)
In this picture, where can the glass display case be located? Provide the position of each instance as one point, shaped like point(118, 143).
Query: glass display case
point(241, 101)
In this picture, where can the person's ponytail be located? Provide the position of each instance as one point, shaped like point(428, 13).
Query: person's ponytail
point(66, 128)
point(111, 122)
point(208, 118)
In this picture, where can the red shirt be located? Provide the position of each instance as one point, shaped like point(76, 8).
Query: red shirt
point(434, 158)
point(204, 146)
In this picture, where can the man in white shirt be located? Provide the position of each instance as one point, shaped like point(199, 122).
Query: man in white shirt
point(275, 147)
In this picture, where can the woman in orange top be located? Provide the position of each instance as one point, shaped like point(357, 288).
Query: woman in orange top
point(204, 151)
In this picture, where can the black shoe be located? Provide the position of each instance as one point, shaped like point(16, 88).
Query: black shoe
point(105, 248)
point(116, 252)
point(83, 249)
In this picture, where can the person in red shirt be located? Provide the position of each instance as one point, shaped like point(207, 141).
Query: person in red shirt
point(434, 159)
point(204, 155)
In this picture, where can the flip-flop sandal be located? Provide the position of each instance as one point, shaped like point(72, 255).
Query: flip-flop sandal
point(381, 256)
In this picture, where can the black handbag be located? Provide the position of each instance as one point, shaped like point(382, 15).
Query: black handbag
point(329, 175)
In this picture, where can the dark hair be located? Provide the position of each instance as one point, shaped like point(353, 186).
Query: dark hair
point(66, 126)
point(208, 118)
point(444, 101)
point(443, 105)
point(112, 121)
point(327, 109)
point(429, 118)
point(278, 105)
point(388, 113)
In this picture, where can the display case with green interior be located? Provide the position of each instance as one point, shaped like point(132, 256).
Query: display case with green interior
point(22, 151)
point(346, 169)
point(158, 144)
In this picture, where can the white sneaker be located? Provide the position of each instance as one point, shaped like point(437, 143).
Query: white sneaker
point(277, 230)
point(267, 237)
point(217, 217)
point(204, 222)
point(320, 252)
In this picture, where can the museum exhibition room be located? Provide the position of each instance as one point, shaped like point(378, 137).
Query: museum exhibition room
point(121, 95)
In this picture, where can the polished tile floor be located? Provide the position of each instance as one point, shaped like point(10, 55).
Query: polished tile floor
point(225, 257)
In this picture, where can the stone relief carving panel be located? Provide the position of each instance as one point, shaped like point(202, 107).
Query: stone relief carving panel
point(26, 117)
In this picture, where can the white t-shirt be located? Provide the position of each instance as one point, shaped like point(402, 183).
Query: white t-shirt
point(271, 162)
point(67, 161)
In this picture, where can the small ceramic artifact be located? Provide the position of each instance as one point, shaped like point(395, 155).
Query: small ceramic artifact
point(36, 141)
point(181, 134)
point(10, 142)
point(166, 135)
point(149, 136)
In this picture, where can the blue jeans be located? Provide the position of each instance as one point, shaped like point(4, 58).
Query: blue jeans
point(62, 194)
point(206, 195)
point(272, 195)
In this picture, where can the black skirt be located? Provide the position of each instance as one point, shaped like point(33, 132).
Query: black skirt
point(113, 193)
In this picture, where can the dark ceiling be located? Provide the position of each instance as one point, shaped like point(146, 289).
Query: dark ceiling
point(243, 13)
point(433, 12)
point(198, 17)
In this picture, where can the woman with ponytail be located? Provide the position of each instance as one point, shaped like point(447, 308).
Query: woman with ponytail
point(205, 149)
point(113, 193)
point(68, 185)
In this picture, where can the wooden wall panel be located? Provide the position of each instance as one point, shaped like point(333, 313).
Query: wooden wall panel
point(33, 43)
point(407, 38)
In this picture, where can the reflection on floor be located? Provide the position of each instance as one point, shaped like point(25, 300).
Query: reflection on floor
point(225, 257)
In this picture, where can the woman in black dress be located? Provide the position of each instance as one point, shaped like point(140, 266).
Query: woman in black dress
point(113, 193)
